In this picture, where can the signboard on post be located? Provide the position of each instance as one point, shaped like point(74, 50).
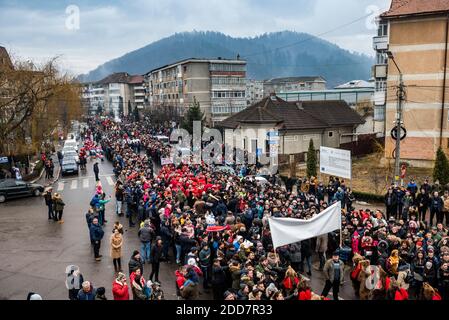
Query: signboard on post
point(336, 162)
point(166, 161)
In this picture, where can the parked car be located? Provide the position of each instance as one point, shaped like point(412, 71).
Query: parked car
point(69, 167)
point(71, 155)
point(10, 188)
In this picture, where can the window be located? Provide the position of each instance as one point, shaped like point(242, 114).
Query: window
point(330, 134)
point(383, 30)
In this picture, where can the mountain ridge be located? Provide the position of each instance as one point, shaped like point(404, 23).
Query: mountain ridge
point(269, 55)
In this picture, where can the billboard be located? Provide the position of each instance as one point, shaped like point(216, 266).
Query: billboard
point(335, 162)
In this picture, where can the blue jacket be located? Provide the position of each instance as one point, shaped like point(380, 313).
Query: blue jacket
point(87, 296)
point(96, 232)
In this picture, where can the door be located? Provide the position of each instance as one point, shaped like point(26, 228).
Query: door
point(22, 189)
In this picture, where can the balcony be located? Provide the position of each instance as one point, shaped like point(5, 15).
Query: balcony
point(380, 43)
point(380, 98)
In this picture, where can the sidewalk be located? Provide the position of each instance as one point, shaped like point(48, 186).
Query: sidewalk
point(48, 182)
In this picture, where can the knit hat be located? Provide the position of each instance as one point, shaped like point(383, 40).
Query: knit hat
point(101, 291)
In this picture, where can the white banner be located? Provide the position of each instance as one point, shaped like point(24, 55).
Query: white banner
point(335, 162)
point(287, 230)
point(166, 161)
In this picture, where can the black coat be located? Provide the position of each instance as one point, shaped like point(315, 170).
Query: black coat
point(156, 253)
point(306, 248)
point(218, 275)
point(133, 264)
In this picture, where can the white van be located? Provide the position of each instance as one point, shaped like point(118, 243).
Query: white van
point(72, 143)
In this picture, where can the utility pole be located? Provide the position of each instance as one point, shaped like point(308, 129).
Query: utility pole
point(401, 98)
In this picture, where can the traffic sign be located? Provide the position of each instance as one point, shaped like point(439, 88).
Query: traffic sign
point(394, 133)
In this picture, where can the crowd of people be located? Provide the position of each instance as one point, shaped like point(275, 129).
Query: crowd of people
point(214, 225)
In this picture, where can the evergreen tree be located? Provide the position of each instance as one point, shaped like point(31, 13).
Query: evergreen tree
point(311, 160)
point(120, 107)
point(136, 114)
point(100, 109)
point(441, 169)
point(130, 110)
point(193, 114)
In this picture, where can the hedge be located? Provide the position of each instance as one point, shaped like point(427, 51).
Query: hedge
point(365, 196)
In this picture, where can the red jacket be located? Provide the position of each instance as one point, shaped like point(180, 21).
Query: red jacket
point(120, 291)
point(180, 280)
point(401, 294)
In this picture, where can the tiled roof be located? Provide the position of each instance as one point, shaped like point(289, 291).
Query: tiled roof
point(136, 79)
point(416, 7)
point(295, 115)
point(119, 77)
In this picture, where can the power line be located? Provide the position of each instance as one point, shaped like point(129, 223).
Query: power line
point(313, 37)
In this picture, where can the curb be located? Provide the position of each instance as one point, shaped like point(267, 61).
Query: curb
point(56, 180)
point(38, 178)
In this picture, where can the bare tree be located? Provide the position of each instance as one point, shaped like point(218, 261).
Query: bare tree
point(34, 100)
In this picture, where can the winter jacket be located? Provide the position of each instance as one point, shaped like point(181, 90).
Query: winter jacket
point(156, 253)
point(116, 246)
point(329, 270)
point(180, 279)
point(58, 204)
point(96, 232)
point(134, 264)
point(295, 252)
point(138, 293)
point(190, 291)
point(436, 203)
point(306, 248)
point(120, 291)
point(146, 234)
point(218, 275)
point(90, 295)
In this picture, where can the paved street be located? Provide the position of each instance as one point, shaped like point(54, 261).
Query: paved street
point(35, 251)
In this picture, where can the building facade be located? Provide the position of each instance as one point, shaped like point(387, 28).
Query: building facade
point(219, 85)
point(114, 95)
point(293, 84)
point(254, 91)
point(417, 38)
point(327, 123)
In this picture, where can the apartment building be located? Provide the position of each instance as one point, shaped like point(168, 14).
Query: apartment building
point(115, 94)
point(416, 35)
point(293, 84)
point(218, 85)
point(254, 91)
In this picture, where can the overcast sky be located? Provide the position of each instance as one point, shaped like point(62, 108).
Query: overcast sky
point(111, 28)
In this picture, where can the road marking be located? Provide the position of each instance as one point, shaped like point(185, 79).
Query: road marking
point(86, 183)
point(60, 186)
point(101, 176)
point(110, 181)
point(74, 184)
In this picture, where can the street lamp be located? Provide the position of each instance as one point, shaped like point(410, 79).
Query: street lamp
point(401, 93)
